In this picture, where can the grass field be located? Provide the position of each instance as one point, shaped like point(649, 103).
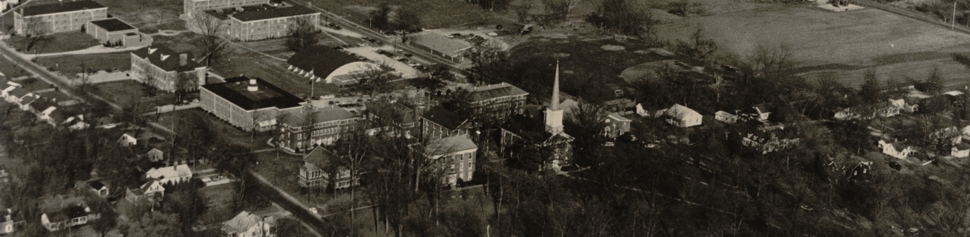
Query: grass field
point(219, 200)
point(840, 45)
point(433, 13)
point(11, 70)
point(59, 42)
point(70, 65)
point(129, 92)
point(148, 16)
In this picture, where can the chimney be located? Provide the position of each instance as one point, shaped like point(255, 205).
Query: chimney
point(252, 85)
point(183, 59)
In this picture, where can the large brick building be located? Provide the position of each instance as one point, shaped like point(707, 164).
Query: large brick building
point(248, 103)
point(317, 168)
point(194, 6)
point(499, 100)
point(302, 129)
point(453, 157)
point(57, 17)
point(268, 22)
point(440, 122)
point(162, 67)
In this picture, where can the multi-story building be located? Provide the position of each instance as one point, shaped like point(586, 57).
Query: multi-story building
point(439, 123)
point(321, 63)
point(268, 22)
point(115, 31)
point(57, 17)
point(499, 100)
point(453, 158)
point(392, 118)
point(316, 170)
point(194, 6)
point(548, 134)
point(248, 103)
point(306, 128)
point(161, 67)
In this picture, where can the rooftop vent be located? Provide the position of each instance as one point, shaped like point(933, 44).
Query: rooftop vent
point(151, 50)
point(164, 56)
point(252, 85)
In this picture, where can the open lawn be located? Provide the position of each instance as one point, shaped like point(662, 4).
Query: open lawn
point(267, 68)
point(184, 42)
point(132, 93)
point(837, 44)
point(219, 199)
point(433, 13)
point(53, 43)
point(70, 65)
point(11, 70)
point(148, 16)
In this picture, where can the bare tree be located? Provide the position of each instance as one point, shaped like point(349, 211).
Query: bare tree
point(256, 115)
point(210, 27)
point(771, 59)
point(374, 80)
point(303, 33)
point(521, 11)
point(561, 8)
point(35, 32)
point(354, 149)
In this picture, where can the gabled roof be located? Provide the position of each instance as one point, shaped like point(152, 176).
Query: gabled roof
point(166, 58)
point(182, 170)
point(440, 43)
point(320, 157)
point(41, 105)
point(403, 114)
point(444, 117)
point(18, 92)
point(29, 99)
point(448, 145)
point(618, 117)
point(321, 60)
point(96, 185)
point(269, 13)
point(67, 213)
point(495, 91)
point(680, 112)
point(243, 222)
point(61, 7)
point(112, 25)
point(321, 115)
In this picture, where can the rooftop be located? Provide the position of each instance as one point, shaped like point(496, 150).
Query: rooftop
point(61, 7)
point(680, 112)
point(321, 60)
point(440, 43)
point(166, 58)
point(495, 91)
point(321, 115)
point(444, 117)
point(267, 95)
point(273, 12)
point(319, 157)
point(113, 24)
point(450, 144)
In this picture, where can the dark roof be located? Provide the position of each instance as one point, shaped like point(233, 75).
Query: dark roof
point(112, 24)
point(496, 91)
point(67, 213)
point(97, 185)
point(321, 60)
point(401, 114)
point(319, 157)
point(321, 114)
point(444, 117)
point(61, 7)
point(42, 104)
point(270, 13)
point(267, 95)
point(166, 58)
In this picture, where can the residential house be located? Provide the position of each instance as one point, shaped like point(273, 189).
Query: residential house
point(248, 103)
point(758, 112)
point(896, 149)
point(116, 31)
point(439, 45)
point(725, 117)
point(153, 190)
point(331, 66)
point(767, 142)
point(394, 119)
point(453, 157)
point(7, 224)
point(316, 170)
point(500, 100)
point(75, 122)
point(68, 217)
point(619, 105)
point(268, 22)
point(547, 134)
point(127, 140)
point(309, 127)
point(681, 116)
point(99, 188)
point(155, 155)
point(960, 150)
point(163, 68)
point(439, 123)
point(170, 174)
point(246, 224)
point(57, 17)
point(616, 125)
point(192, 7)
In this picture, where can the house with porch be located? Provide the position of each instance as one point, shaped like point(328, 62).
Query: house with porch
point(170, 174)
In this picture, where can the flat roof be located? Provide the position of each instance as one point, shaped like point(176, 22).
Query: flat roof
point(235, 90)
point(273, 12)
point(321, 60)
point(113, 24)
point(60, 7)
point(440, 43)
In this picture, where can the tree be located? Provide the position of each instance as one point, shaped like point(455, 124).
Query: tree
point(154, 224)
point(290, 227)
point(184, 83)
point(698, 46)
point(188, 204)
point(108, 219)
point(521, 11)
point(587, 129)
point(492, 5)
point(374, 80)
point(488, 64)
point(934, 83)
point(35, 32)
point(303, 33)
point(770, 60)
point(561, 8)
point(354, 149)
point(209, 27)
point(871, 90)
point(394, 18)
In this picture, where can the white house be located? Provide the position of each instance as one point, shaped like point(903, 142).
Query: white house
point(894, 151)
point(151, 189)
point(725, 117)
point(681, 116)
point(155, 155)
point(757, 112)
point(170, 174)
point(68, 217)
point(127, 140)
point(246, 224)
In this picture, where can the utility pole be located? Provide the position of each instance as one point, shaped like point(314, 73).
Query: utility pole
point(953, 20)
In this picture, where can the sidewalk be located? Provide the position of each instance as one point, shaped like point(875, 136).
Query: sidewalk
point(92, 50)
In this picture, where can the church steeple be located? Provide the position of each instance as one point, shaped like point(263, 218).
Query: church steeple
point(553, 114)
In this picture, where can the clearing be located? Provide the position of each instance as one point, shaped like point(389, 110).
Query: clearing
point(54, 43)
point(71, 65)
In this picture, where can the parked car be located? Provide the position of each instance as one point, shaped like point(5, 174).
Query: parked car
point(455, 35)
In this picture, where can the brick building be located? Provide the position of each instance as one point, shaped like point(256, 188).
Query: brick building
point(193, 6)
point(162, 67)
point(439, 123)
point(316, 170)
point(499, 100)
point(268, 22)
point(237, 100)
point(328, 124)
point(115, 31)
point(454, 157)
point(57, 17)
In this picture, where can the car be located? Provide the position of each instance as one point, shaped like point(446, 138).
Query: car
point(414, 64)
point(397, 57)
point(455, 35)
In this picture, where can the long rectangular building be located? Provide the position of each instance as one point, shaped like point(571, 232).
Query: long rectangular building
point(194, 6)
point(57, 17)
point(268, 22)
point(248, 103)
